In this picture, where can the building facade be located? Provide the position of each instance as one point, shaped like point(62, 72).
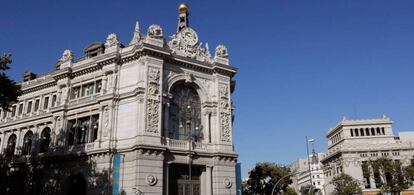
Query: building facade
point(353, 143)
point(153, 116)
point(303, 177)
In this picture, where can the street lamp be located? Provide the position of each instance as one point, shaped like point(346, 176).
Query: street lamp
point(288, 175)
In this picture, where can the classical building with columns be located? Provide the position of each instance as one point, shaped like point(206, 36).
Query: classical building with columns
point(153, 116)
point(353, 143)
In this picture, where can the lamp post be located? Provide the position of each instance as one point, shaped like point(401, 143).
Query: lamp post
point(288, 175)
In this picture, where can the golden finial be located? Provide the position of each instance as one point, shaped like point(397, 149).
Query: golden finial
point(183, 8)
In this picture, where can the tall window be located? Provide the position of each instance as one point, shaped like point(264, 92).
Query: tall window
point(54, 100)
point(29, 107)
point(13, 111)
point(83, 130)
point(37, 102)
point(11, 145)
point(46, 103)
point(4, 114)
point(185, 114)
point(45, 140)
point(21, 109)
point(27, 143)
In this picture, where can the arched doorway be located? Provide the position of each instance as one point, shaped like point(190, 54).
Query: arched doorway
point(45, 139)
point(27, 143)
point(11, 145)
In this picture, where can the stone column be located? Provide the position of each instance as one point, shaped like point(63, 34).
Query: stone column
point(3, 139)
point(371, 177)
point(18, 149)
point(208, 180)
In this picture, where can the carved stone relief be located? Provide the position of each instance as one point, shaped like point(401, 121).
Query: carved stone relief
point(225, 113)
point(153, 100)
point(105, 121)
point(185, 43)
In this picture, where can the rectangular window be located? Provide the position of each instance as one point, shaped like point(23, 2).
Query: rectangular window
point(352, 133)
point(367, 132)
point(37, 105)
point(98, 86)
point(4, 113)
point(13, 111)
point(54, 99)
point(46, 103)
point(74, 92)
point(362, 132)
point(83, 130)
point(29, 107)
point(383, 132)
point(356, 132)
point(21, 109)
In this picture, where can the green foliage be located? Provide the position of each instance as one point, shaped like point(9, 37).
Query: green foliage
point(395, 177)
point(264, 176)
point(290, 191)
point(345, 185)
point(9, 90)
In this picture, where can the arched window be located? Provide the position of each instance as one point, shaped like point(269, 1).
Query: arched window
point(27, 143)
point(11, 145)
point(45, 140)
point(185, 114)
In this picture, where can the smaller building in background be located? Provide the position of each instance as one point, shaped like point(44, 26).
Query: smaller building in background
point(303, 177)
point(353, 143)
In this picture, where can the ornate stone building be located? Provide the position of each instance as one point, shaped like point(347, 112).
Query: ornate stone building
point(153, 116)
point(353, 143)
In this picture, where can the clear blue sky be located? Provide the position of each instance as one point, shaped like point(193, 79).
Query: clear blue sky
point(302, 64)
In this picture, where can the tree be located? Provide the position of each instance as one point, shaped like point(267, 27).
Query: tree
point(290, 191)
point(391, 175)
point(345, 185)
point(264, 176)
point(9, 90)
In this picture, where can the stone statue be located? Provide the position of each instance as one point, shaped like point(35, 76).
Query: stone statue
point(155, 31)
point(66, 56)
point(112, 40)
point(221, 51)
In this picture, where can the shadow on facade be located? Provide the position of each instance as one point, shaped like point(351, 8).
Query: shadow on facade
point(56, 171)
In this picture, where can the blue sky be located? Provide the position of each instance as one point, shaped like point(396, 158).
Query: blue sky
point(302, 64)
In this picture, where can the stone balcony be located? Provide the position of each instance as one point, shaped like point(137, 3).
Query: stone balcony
point(185, 145)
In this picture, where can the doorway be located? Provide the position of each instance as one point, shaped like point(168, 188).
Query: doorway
point(179, 182)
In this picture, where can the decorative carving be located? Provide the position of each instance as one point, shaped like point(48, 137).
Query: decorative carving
point(59, 122)
point(66, 56)
point(189, 78)
point(225, 113)
point(112, 40)
point(227, 183)
point(185, 43)
point(151, 180)
point(105, 121)
point(225, 127)
point(221, 51)
point(153, 100)
point(223, 90)
point(154, 75)
point(155, 31)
